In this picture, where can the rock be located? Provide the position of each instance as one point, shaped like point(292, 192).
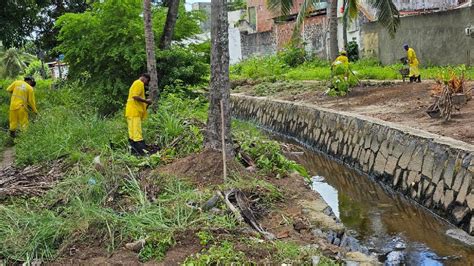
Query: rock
point(384, 149)
point(448, 198)
point(461, 235)
point(318, 233)
point(458, 180)
point(98, 164)
point(459, 213)
point(439, 192)
point(395, 258)
point(299, 225)
point(428, 165)
point(315, 260)
point(416, 160)
point(470, 200)
point(136, 246)
point(463, 191)
point(396, 177)
point(406, 156)
point(358, 258)
point(413, 177)
point(391, 165)
point(380, 162)
point(437, 172)
point(471, 226)
point(449, 173)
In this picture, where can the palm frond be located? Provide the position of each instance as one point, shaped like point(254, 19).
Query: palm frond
point(387, 15)
point(280, 7)
point(352, 9)
point(305, 7)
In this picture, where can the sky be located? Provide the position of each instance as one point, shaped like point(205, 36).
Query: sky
point(189, 3)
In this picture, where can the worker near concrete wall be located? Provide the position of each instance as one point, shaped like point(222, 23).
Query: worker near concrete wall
point(136, 112)
point(341, 59)
point(413, 63)
point(22, 97)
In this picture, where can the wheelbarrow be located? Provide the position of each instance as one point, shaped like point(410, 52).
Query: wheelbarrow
point(405, 70)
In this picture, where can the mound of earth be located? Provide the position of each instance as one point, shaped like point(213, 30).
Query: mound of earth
point(204, 168)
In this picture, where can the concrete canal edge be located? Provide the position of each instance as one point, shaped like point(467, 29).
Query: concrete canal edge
point(433, 170)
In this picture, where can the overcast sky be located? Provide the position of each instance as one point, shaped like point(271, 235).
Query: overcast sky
point(189, 3)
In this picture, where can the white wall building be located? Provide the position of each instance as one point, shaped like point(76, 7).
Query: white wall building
point(235, 47)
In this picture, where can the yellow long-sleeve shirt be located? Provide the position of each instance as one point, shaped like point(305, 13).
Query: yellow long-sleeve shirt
point(23, 96)
point(135, 108)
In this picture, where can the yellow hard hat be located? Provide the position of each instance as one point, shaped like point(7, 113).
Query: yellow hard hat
point(343, 52)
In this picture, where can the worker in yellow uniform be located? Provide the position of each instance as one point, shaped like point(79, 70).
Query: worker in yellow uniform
point(136, 112)
point(22, 97)
point(341, 59)
point(413, 63)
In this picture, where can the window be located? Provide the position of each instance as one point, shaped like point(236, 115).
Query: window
point(252, 17)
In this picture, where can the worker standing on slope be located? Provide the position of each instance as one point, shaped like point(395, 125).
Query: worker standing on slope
point(136, 112)
point(22, 96)
point(413, 63)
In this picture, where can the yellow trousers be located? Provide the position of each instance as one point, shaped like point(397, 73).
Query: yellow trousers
point(414, 70)
point(135, 128)
point(18, 119)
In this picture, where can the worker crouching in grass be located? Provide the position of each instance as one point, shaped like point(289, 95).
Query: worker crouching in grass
point(22, 97)
point(136, 112)
point(413, 63)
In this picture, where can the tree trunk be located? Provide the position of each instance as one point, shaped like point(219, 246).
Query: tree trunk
point(344, 25)
point(168, 29)
point(150, 50)
point(333, 48)
point(220, 85)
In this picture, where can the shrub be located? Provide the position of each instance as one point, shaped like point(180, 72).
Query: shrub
point(353, 51)
point(292, 55)
point(180, 64)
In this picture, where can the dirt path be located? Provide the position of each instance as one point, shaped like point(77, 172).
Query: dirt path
point(8, 157)
point(402, 103)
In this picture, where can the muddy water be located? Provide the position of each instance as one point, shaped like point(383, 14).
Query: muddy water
point(382, 219)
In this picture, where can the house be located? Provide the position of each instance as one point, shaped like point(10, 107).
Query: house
point(264, 32)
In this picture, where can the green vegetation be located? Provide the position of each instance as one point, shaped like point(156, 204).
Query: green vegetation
point(266, 153)
point(123, 201)
point(273, 68)
point(112, 35)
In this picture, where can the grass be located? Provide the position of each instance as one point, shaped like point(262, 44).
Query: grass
point(271, 68)
point(107, 208)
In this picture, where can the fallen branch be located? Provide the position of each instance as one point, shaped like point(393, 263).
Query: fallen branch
point(31, 180)
point(230, 206)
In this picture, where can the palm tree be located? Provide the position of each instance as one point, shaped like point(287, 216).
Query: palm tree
point(387, 15)
point(219, 92)
point(150, 50)
point(168, 29)
point(13, 62)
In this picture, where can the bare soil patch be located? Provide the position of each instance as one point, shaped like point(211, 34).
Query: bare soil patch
point(403, 103)
point(285, 219)
point(202, 169)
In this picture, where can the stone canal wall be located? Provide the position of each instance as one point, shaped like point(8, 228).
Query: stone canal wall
point(433, 170)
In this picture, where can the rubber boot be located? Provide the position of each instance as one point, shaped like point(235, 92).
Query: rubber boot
point(142, 148)
point(134, 147)
point(13, 134)
point(412, 79)
point(418, 79)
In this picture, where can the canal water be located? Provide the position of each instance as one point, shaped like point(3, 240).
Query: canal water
point(382, 219)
